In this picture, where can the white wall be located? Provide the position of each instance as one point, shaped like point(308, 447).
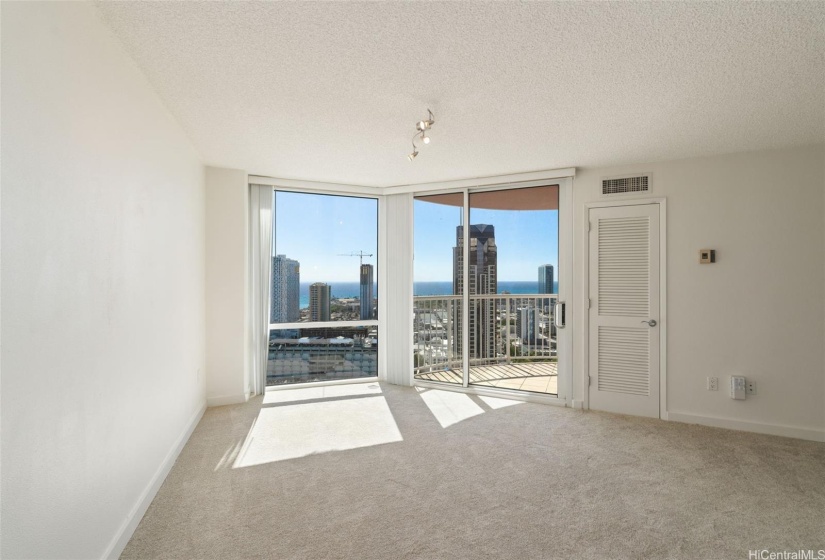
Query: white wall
point(760, 310)
point(103, 286)
point(227, 286)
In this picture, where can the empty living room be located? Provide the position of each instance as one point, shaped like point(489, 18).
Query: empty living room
point(412, 280)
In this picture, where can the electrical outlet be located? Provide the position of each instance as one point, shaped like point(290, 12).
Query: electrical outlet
point(713, 383)
point(751, 387)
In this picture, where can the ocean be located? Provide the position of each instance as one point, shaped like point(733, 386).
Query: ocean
point(353, 289)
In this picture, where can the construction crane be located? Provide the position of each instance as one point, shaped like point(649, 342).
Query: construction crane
point(360, 254)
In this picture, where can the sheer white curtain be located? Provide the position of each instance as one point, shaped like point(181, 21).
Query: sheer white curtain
point(260, 278)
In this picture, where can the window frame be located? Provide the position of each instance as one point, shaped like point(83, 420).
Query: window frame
point(329, 189)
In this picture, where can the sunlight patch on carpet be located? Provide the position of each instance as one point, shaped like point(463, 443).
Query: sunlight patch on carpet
point(301, 422)
point(450, 407)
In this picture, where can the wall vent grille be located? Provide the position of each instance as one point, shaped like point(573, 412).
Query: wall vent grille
point(626, 185)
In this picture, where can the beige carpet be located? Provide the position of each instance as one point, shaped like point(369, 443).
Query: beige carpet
point(369, 471)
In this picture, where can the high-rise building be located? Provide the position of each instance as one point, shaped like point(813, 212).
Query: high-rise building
point(366, 291)
point(481, 279)
point(286, 290)
point(319, 296)
point(546, 285)
point(526, 326)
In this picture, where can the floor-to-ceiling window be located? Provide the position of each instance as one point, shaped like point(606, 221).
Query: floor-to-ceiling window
point(324, 292)
point(503, 269)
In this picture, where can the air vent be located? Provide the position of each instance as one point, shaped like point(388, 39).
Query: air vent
point(624, 185)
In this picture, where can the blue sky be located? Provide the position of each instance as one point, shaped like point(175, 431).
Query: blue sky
point(525, 240)
point(316, 229)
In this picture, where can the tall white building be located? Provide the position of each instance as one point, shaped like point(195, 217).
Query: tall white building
point(286, 290)
point(319, 297)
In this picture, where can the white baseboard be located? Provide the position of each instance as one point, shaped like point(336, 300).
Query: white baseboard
point(240, 398)
point(127, 529)
point(746, 426)
point(575, 403)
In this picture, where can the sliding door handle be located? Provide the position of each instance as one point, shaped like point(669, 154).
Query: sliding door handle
point(559, 318)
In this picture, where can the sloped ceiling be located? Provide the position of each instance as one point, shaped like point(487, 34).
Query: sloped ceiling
point(332, 91)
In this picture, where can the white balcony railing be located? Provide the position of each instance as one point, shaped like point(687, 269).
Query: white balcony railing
point(503, 329)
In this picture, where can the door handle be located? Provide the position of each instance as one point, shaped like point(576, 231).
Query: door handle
point(559, 317)
point(651, 323)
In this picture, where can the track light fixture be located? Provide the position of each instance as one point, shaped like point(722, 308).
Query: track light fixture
point(425, 125)
point(421, 128)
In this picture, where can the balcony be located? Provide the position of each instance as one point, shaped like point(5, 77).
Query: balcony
point(512, 341)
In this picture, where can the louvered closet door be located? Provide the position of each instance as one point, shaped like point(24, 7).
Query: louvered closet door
point(624, 303)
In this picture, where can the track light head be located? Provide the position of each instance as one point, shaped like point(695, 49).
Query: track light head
point(421, 128)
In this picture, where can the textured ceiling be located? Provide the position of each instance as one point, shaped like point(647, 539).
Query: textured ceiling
point(331, 91)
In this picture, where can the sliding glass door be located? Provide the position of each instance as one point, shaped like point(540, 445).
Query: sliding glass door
point(438, 291)
point(324, 292)
point(503, 269)
point(513, 258)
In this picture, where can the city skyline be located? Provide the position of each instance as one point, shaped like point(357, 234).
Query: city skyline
point(516, 235)
point(321, 231)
